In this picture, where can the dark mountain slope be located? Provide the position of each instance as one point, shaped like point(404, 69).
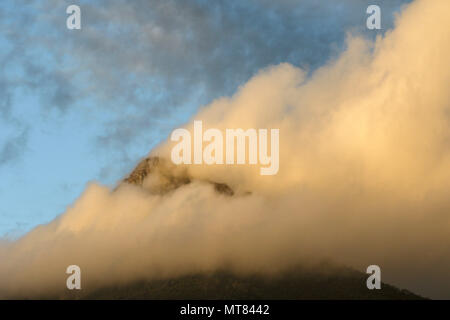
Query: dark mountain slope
point(328, 283)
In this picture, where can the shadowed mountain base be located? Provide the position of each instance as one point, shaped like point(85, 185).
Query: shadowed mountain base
point(328, 283)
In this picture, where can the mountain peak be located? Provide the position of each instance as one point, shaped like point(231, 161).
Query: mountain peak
point(159, 176)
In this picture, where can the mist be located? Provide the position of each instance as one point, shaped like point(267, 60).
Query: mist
point(364, 178)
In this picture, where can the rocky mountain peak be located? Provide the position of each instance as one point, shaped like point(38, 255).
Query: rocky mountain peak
point(160, 176)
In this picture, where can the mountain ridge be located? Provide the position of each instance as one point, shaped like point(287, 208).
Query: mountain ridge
point(328, 283)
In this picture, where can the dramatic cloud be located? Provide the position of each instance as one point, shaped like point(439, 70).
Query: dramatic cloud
point(159, 60)
point(364, 179)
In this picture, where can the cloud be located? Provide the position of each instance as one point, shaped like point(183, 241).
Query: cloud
point(154, 59)
point(13, 148)
point(364, 179)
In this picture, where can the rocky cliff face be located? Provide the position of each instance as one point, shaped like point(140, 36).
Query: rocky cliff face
point(159, 176)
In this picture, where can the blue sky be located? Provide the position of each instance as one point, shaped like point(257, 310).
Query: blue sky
point(84, 105)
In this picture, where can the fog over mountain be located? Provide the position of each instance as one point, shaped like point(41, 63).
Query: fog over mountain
point(364, 178)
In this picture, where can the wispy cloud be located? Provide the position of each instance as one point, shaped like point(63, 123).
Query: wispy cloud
point(154, 59)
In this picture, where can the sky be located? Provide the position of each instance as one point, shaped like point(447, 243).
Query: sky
point(84, 105)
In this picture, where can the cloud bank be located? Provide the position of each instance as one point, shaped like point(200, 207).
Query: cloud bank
point(364, 178)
